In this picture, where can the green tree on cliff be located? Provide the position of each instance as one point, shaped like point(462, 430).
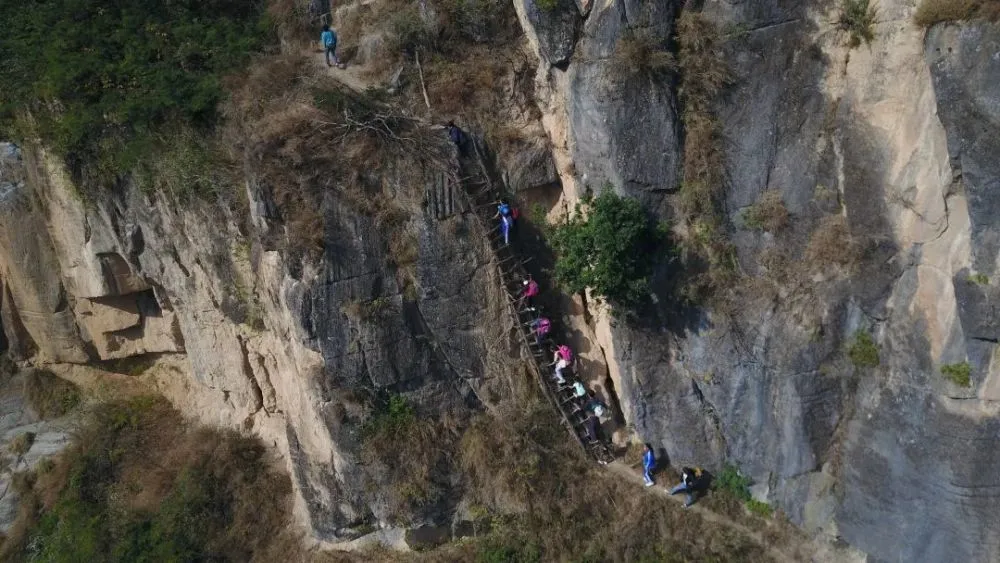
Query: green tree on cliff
point(607, 245)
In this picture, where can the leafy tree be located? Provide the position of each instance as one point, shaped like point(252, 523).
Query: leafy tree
point(607, 245)
point(100, 76)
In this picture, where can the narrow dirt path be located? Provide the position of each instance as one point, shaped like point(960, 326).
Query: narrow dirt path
point(794, 550)
point(352, 76)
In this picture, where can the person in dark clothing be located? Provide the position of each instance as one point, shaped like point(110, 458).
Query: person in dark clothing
point(592, 424)
point(692, 482)
point(596, 406)
point(455, 134)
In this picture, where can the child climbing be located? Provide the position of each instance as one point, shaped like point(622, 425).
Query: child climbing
point(540, 327)
point(562, 359)
point(329, 41)
point(507, 215)
point(648, 463)
point(528, 293)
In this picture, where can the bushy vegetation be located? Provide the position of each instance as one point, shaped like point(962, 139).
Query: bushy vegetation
point(960, 374)
point(930, 12)
point(607, 245)
point(831, 244)
point(406, 455)
point(641, 53)
point(768, 213)
point(858, 19)
point(139, 485)
point(730, 481)
point(979, 279)
point(863, 351)
point(49, 396)
point(101, 78)
point(704, 76)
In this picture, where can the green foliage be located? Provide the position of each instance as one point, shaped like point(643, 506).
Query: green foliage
point(980, 279)
point(858, 19)
point(547, 5)
point(50, 396)
point(608, 246)
point(394, 416)
point(863, 351)
point(732, 482)
point(959, 374)
point(760, 508)
point(201, 511)
point(100, 77)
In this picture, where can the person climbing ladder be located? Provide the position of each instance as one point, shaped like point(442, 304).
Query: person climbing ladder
point(540, 327)
point(528, 293)
point(562, 359)
point(507, 215)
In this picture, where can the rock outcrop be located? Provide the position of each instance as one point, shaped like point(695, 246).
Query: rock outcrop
point(239, 337)
point(897, 140)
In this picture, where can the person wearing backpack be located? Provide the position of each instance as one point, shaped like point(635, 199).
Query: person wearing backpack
point(507, 215)
point(528, 293)
point(540, 327)
point(329, 41)
point(691, 483)
point(596, 406)
point(562, 359)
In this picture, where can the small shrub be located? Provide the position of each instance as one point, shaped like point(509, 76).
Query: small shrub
point(768, 213)
point(858, 19)
point(547, 5)
point(50, 396)
point(930, 12)
point(863, 351)
point(979, 279)
point(959, 374)
point(21, 443)
point(640, 53)
point(732, 482)
point(607, 246)
point(831, 244)
point(760, 508)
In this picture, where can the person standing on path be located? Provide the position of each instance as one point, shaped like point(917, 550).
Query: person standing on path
point(329, 40)
point(648, 463)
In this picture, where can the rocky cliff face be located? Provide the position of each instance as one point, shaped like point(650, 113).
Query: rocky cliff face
point(895, 139)
point(239, 337)
point(893, 142)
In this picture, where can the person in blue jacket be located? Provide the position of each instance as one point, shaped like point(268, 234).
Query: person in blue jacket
point(648, 463)
point(329, 40)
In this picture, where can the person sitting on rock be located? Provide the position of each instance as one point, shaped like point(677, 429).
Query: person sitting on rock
point(692, 481)
point(540, 327)
point(329, 41)
point(562, 359)
point(528, 293)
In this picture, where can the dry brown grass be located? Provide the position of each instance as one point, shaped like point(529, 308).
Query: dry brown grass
point(48, 395)
point(832, 244)
point(930, 12)
point(768, 213)
point(132, 457)
point(640, 53)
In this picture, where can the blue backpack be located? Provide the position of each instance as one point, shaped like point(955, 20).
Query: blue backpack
point(504, 209)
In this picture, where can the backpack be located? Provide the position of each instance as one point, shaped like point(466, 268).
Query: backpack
point(515, 213)
point(504, 209)
point(543, 325)
point(565, 353)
